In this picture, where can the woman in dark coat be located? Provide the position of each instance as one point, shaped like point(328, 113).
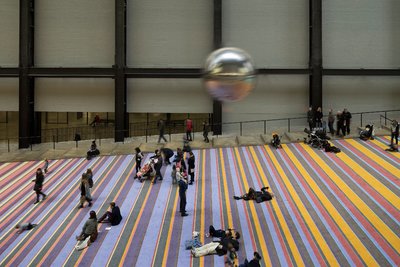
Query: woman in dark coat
point(39, 185)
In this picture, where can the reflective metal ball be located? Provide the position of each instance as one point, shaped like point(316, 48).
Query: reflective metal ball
point(229, 74)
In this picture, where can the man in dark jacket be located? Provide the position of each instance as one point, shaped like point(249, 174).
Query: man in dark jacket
point(191, 165)
point(167, 153)
point(258, 196)
point(114, 216)
point(39, 185)
point(182, 196)
point(347, 118)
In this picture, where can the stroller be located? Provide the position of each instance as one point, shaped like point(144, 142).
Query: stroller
point(367, 133)
point(147, 171)
point(276, 141)
point(313, 139)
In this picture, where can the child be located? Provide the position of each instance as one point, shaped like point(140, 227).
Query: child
point(46, 165)
point(24, 226)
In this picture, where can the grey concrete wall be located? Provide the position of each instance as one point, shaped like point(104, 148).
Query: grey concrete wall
point(173, 33)
point(168, 95)
point(9, 94)
point(361, 33)
point(74, 33)
point(74, 94)
point(274, 32)
point(9, 34)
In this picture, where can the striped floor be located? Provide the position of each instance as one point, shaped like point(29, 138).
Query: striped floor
point(330, 209)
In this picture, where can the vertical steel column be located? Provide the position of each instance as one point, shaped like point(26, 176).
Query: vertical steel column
point(27, 125)
point(217, 42)
point(315, 55)
point(121, 118)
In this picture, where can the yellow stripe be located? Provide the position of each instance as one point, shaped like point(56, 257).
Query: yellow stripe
point(256, 221)
point(378, 143)
point(379, 225)
point(281, 220)
point(203, 201)
point(326, 250)
point(170, 229)
point(335, 215)
point(386, 165)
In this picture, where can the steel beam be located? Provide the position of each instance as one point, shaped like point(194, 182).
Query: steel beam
point(121, 118)
point(217, 43)
point(315, 56)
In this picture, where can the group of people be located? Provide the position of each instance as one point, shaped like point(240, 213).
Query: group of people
point(188, 130)
point(224, 242)
point(342, 118)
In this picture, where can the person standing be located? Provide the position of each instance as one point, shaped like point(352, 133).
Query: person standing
point(205, 131)
point(138, 158)
point(346, 119)
point(340, 124)
point(331, 121)
point(394, 129)
point(310, 118)
point(318, 117)
point(182, 195)
point(46, 165)
point(39, 185)
point(161, 130)
point(191, 165)
point(157, 165)
point(189, 128)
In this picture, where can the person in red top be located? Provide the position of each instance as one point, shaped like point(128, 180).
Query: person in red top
point(189, 128)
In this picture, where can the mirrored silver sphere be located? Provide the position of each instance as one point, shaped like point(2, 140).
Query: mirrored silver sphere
point(229, 74)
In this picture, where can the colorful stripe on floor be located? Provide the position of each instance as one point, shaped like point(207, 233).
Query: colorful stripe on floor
point(330, 209)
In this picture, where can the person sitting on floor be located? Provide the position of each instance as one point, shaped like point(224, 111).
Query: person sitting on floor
point(93, 151)
point(255, 262)
point(89, 229)
point(258, 196)
point(114, 216)
point(24, 226)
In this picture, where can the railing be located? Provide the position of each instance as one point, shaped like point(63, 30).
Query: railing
point(146, 130)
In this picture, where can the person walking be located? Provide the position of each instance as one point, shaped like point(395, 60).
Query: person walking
point(340, 124)
point(39, 185)
point(189, 128)
point(191, 165)
point(331, 121)
point(182, 195)
point(206, 129)
point(161, 130)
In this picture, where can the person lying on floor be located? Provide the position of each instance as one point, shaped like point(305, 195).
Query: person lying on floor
point(220, 233)
point(113, 216)
point(222, 247)
point(258, 196)
point(24, 226)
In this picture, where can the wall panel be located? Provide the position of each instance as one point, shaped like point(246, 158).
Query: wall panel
point(74, 33)
point(9, 94)
point(360, 94)
point(274, 32)
point(168, 96)
point(9, 33)
point(361, 34)
point(74, 94)
point(174, 33)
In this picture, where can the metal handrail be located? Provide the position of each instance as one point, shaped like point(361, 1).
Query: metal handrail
point(67, 134)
